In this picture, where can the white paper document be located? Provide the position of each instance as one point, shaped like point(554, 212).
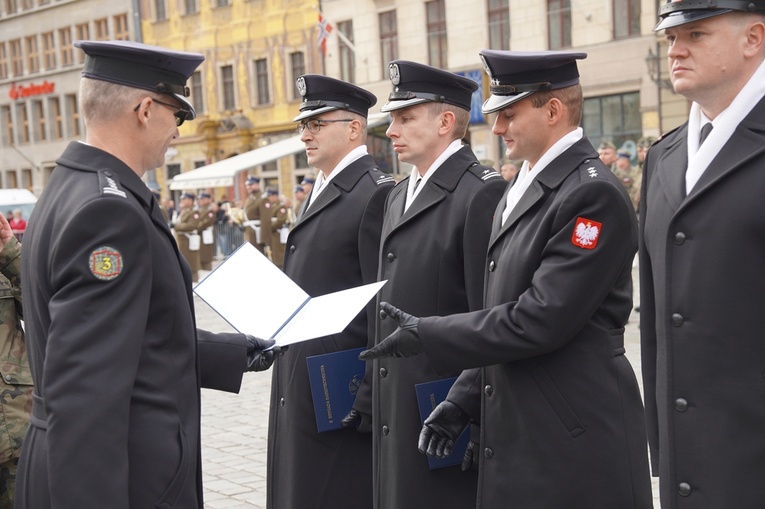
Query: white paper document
point(286, 313)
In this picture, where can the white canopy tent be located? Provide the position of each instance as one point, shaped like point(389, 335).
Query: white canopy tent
point(222, 173)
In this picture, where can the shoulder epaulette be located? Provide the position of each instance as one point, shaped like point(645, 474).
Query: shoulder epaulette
point(110, 184)
point(484, 172)
point(380, 177)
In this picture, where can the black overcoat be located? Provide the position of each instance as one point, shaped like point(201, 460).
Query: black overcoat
point(113, 347)
point(702, 296)
point(432, 256)
point(562, 422)
point(333, 246)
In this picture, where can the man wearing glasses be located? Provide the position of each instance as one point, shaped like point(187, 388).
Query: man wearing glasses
point(332, 246)
point(115, 356)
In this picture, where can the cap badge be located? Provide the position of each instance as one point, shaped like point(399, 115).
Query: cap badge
point(105, 263)
point(586, 233)
point(395, 74)
point(301, 86)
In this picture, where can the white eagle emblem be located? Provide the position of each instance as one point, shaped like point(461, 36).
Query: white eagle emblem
point(395, 74)
point(586, 233)
point(301, 86)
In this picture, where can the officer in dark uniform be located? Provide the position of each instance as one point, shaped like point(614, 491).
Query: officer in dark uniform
point(116, 359)
point(332, 246)
point(205, 228)
point(186, 229)
point(702, 232)
point(434, 239)
point(562, 421)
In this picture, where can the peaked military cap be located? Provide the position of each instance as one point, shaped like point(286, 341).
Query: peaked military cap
point(415, 83)
point(252, 180)
point(299, 189)
point(308, 180)
point(516, 75)
point(142, 66)
point(191, 196)
point(322, 93)
point(205, 195)
point(271, 192)
point(679, 12)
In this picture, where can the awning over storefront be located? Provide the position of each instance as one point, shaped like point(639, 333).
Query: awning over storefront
point(222, 173)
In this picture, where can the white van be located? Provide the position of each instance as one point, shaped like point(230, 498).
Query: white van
point(11, 199)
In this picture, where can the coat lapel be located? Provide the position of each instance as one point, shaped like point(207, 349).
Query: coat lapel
point(673, 164)
point(747, 141)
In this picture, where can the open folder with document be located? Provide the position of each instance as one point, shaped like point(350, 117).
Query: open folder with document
point(285, 312)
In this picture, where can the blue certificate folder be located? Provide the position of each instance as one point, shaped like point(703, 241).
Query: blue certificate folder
point(335, 379)
point(429, 395)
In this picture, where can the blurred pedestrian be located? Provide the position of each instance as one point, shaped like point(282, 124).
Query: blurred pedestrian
point(18, 224)
point(186, 228)
point(701, 272)
point(279, 220)
point(253, 206)
point(629, 175)
point(116, 359)
point(607, 154)
point(205, 228)
point(509, 170)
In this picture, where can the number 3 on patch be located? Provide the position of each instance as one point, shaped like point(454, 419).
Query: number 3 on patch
point(586, 233)
point(105, 263)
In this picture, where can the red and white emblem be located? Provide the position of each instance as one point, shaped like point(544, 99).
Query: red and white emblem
point(586, 233)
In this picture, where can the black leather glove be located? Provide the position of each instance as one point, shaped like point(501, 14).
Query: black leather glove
point(403, 342)
point(257, 358)
point(360, 420)
point(441, 429)
point(470, 459)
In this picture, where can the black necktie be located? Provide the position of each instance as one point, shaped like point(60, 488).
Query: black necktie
point(705, 130)
point(417, 183)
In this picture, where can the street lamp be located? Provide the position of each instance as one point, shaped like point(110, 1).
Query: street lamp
point(653, 64)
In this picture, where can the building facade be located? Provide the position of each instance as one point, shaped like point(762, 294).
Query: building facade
point(39, 79)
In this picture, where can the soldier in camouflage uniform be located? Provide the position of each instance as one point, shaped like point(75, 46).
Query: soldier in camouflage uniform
point(16, 390)
point(206, 220)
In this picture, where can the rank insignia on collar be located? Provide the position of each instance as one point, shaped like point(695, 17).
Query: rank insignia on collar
point(105, 263)
point(586, 233)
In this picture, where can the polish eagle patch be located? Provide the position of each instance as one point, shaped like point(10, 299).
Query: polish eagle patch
point(586, 233)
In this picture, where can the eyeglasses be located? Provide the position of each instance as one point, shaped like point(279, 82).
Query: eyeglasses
point(181, 114)
point(314, 126)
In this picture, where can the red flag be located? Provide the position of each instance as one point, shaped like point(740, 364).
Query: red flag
point(324, 29)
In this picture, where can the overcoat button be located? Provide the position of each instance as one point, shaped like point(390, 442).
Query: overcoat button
point(292, 248)
point(679, 238)
point(383, 372)
point(385, 430)
point(391, 257)
point(383, 314)
point(488, 453)
point(492, 266)
point(677, 319)
point(488, 390)
point(684, 489)
point(681, 404)
point(281, 402)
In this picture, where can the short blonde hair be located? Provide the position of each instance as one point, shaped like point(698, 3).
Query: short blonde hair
point(571, 97)
point(103, 101)
point(461, 116)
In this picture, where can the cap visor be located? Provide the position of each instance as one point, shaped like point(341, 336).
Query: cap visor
point(312, 113)
point(498, 102)
point(683, 17)
point(397, 105)
point(188, 105)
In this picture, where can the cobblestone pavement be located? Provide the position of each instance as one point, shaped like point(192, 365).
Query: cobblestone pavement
point(235, 428)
